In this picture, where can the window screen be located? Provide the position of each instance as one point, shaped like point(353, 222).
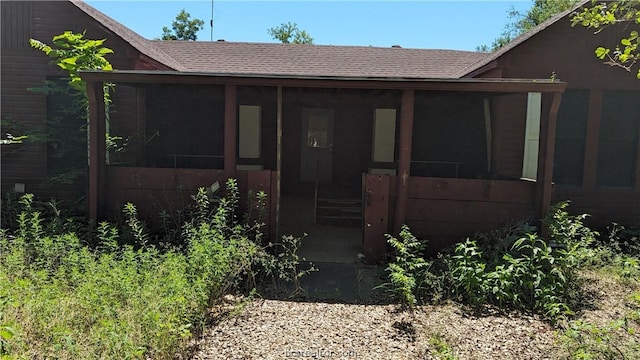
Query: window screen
point(571, 128)
point(619, 126)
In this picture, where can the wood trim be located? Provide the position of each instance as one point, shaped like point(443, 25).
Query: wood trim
point(637, 184)
point(465, 84)
point(230, 129)
point(97, 147)
point(275, 219)
point(592, 140)
point(141, 126)
point(404, 157)
point(547, 176)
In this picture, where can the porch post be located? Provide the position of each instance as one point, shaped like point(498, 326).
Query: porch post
point(549, 149)
point(97, 147)
point(230, 129)
point(275, 196)
point(404, 158)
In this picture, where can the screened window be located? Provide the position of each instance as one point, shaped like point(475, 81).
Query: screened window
point(618, 145)
point(570, 138)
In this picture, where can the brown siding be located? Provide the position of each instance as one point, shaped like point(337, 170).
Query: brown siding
point(23, 67)
point(603, 205)
point(153, 190)
point(569, 53)
point(508, 116)
point(445, 211)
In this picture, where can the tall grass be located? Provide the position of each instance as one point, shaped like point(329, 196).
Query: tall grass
point(63, 299)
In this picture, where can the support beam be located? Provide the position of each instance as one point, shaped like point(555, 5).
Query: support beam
point(230, 130)
point(275, 196)
point(404, 157)
point(549, 150)
point(97, 148)
point(592, 140)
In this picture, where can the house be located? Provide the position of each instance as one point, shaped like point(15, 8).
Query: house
point(27, 167)
point(597, 157)
point(448, 142)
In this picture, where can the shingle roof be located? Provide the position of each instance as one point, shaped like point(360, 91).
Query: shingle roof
point(317, 60)
point(292, 59)
point(517, 41)
point(143, 45)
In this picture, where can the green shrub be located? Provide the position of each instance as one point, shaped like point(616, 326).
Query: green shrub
point(513, 267)
point(124, 297)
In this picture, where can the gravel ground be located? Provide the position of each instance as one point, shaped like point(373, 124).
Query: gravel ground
point(274, 329)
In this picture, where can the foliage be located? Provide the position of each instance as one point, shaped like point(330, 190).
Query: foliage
point(617, 339)
point(13, 139)
point(522, 22)
point(602, 15)
point(408, 267)
point(183, 28)
point(514, 268)
point(66, 133)
point(442, 349)
point(124, 297)
point(73, 53)
point(289, 33)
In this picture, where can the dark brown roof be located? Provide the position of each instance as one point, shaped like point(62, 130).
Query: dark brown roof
point(138, 42)
point(317, 60)
point(466, 71)
point(291, 59)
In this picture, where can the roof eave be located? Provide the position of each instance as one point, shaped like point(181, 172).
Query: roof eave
point(449, 84)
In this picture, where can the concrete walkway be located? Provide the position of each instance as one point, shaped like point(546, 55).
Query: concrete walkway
point(345, 283)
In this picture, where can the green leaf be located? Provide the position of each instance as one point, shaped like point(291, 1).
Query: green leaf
point(625, 42)
point(6, 333)
point(601, 52)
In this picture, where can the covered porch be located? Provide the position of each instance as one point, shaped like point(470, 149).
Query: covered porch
point(446, 157)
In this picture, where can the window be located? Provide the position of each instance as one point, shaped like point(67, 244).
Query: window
point(249, 132)
point(571, 131)
point(618, 145)
point(384, 135)
point(449, 135)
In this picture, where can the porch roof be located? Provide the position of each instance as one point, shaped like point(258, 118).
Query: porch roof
point(353, 82)
point(317, 60)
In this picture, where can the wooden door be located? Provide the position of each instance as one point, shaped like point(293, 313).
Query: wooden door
point(316, 158)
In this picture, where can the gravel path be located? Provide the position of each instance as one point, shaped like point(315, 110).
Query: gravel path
point(275, 329)
point(272, 329)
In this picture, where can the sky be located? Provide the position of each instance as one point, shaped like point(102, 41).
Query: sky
point(452, 24)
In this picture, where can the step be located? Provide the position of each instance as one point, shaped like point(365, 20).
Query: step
point(341, 208)
point(337, 217)
point(341, 201)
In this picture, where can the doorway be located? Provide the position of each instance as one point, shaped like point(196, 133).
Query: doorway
point(316, 146)
point(327, 239)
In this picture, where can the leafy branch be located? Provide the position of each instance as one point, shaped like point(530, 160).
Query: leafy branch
point(600, 16)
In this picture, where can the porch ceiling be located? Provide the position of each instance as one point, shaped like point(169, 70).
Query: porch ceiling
point(465, 84)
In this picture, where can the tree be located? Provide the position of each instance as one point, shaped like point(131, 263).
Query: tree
point(289, 33)
point(66, 133)
point(523, 22)
point(600, 16)
point(183, 28)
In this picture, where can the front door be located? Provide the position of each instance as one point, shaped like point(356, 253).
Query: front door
point(316, 158)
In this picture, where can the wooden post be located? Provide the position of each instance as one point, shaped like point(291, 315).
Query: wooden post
point(97, 147)
point(230, 130)
point(550, 143)
point(404, 157)
point(592, 140)
point(141, 125)
point(275, 196)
